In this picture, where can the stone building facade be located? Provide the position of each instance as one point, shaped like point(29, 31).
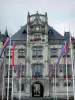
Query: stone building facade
point(38, 46)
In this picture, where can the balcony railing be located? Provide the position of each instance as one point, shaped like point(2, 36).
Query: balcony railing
point(35, 39)
point(33, 76)
point(54, 55)
point(38, 56)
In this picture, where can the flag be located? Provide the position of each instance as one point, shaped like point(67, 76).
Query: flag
point(37, 74)
point(67, 45)
point(5, 44)
point(19, 70)
point(61, 53)
point(50, 70)
point(65, 52)
point(13, 48)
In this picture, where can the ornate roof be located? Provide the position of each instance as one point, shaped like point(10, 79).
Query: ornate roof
point(21, 34)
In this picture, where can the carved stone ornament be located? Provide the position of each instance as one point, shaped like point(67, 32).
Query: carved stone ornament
point(37, 28)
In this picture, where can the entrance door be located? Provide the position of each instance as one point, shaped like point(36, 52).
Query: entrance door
point(37, 89)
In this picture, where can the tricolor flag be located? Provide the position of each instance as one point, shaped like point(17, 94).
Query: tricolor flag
point(5, 44)
point(19, 70)
point(61, 53)
point(67, 45)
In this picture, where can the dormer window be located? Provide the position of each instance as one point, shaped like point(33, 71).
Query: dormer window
point(24, 32)
point(50, 31)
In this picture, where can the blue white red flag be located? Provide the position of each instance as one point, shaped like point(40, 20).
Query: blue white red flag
point(19, 70)
point(5, 44)
point(61, 53)
point(68, 43)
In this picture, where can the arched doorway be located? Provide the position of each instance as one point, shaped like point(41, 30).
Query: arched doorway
point(37, 89)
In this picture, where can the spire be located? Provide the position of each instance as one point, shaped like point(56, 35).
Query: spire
point(6, 32)
point(69, 28)
point(64, 29)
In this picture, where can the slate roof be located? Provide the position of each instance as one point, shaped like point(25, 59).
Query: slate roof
point(53, 34)
point(21, 34)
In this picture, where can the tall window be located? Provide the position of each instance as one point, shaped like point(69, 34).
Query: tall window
point(21, 53)
point(22, 71)
point(37, 68)
point(37, 51)
point(68, 69)
point(54, 52)
point(22, 87)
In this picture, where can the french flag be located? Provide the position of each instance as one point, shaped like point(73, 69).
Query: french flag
point(5, 44)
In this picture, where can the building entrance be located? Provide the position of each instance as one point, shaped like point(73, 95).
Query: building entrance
point(37, 89)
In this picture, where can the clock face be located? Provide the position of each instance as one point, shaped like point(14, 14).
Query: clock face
point(37, 28)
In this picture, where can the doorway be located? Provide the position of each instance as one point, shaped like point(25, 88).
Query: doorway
point(37, 89)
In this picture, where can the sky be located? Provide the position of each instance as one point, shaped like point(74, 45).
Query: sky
point(61, 14)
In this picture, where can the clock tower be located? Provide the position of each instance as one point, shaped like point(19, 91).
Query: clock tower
point(37, 47)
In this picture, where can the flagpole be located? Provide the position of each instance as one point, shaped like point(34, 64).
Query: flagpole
point(20, 83)
point(72, 66)
point(67, 78)
point(53, 87)
point(20, 80)
point(3, 71)
point(12, 82)
point(12, 69)
point(55, 82)
point(19, 88)
point(27, 53)
point(8, 70)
